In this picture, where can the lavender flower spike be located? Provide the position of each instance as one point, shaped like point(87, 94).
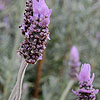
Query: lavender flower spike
point(35, 30)
point(86, 92)
point(74, 62)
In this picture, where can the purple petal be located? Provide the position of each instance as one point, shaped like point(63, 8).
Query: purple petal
point(96, 91)
point(45, 22)
point(40, 58)
point(85, 73)
point(92, 78)
point(40, 7)
point(75, 92)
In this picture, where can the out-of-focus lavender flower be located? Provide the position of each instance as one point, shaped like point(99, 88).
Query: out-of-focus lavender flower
point(74, 62)
point(6, 21)
point(98, 1)
point(35, 30)
point(98, 36)
point(2, 6)
point(86, 92)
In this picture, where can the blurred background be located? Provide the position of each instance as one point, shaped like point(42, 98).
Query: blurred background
point(73, 22)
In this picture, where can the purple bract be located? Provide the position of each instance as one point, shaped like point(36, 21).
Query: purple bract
point(86, 92)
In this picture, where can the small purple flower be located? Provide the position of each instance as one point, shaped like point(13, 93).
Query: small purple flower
point(98, 36)
point(74, 54)
point(74, 62)
point(35, 30)
point(98, 1)
point(6, 21)
point(2, 6)
point(86, 92)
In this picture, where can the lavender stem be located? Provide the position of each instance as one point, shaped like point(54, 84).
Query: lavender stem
point(67, 89)
point(16, 92)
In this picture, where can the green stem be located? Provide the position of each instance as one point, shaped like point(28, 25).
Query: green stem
point(17, 90)
point(20, 79)
point(67, 89)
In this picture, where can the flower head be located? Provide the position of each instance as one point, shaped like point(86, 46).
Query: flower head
point(86, 92)
point(2, 5)
point(98, 34)
point(35, 30)
point(74, 62)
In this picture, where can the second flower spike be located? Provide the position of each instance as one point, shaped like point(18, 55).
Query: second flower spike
point(74, 62)
point(86, 91)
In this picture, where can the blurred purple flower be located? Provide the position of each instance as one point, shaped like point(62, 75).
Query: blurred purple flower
point(86, 92)
point(74, 54)
point(98, 1)
point(98, 36)
point(35, 30)
point(74, 62)
point(6, 21)
point(2, 6)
